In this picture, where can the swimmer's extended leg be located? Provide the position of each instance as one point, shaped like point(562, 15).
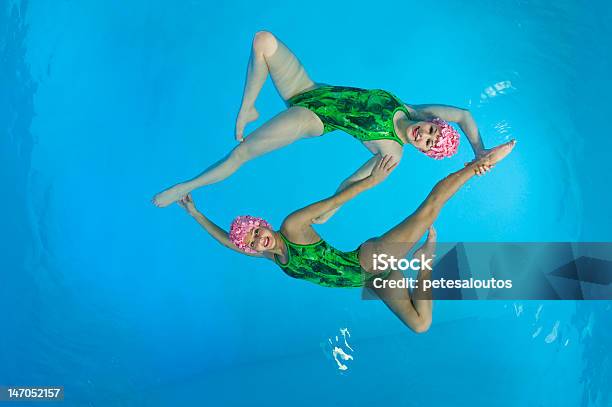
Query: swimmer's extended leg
point(400, 240)
point(403, 236)
point(413, 309)
point(269, 55)
point(288, 126)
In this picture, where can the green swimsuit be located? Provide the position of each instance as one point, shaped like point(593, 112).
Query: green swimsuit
point(366, 114)
point(322, 264)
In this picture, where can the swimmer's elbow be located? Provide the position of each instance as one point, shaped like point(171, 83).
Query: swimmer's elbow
point(465, 116)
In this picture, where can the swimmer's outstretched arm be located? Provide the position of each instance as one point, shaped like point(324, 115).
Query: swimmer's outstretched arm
point(364, 171)
point(462, 117)
point(215, 231)
point(306, 216)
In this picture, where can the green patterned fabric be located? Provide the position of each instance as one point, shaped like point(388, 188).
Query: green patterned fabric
point(322, 264)
point(366, 114)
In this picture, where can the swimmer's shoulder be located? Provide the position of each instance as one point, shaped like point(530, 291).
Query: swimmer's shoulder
point(297, 230)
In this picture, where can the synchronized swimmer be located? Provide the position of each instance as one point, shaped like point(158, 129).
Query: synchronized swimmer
point(376, 117)
point(384, 124)
point(301, 253)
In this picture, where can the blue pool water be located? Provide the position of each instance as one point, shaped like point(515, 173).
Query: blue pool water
point(104, 103)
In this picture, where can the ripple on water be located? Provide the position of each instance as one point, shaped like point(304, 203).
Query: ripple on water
point(340, 350)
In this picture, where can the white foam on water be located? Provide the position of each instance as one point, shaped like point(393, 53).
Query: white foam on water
point(341, 349)
point(552, 336)
point(537, 314)
point(495, 90)
point(588, 329)
point(518, 309)
point(345, 332)
point(338, 353)
point(537, 332)
point(503, 128)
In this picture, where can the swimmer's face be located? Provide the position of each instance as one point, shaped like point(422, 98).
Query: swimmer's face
point(423, 135)
point(260, 239)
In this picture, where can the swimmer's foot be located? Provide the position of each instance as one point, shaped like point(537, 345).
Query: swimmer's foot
point(170, 195)
point(245, 116)
point(494, 155)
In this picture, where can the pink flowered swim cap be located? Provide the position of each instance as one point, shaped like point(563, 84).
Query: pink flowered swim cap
point(241, 226)
point(447, 142)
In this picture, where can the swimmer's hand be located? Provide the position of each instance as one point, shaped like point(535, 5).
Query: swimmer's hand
point(381, 170)
point(482, 169)
point(429, 247)
point(187, 203)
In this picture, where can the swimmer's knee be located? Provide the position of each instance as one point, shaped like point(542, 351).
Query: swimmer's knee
point(421, 326)
point(265, 43)
point(240, 154)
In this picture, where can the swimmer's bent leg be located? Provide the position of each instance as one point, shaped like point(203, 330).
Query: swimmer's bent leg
point(285, 128)
point(269, 55)
point(415, 312)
